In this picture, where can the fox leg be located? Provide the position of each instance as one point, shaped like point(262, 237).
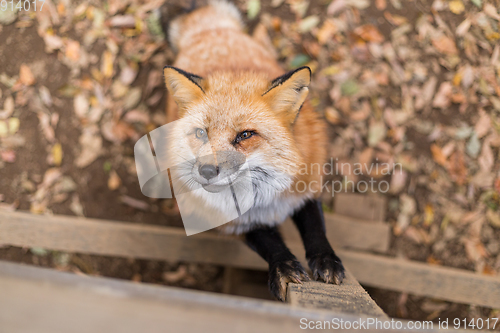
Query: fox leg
point(322, 260)
point(283, 266)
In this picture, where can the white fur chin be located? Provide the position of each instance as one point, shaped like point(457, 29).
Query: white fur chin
point(267, 202)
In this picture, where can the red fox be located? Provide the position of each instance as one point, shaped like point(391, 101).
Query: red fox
point(241, 107)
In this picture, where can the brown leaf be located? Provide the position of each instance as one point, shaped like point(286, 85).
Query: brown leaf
point(438, 156)
point(114, 180)
point(395, 19)
point(26, 76)
point(444, 45)
point(428, 90)
point(381, 4)
point(369, 33)
point(443, 96)
point(73, 50)
point(457, 168)
point(91, 143)
point(483, 125)
point(486, 159)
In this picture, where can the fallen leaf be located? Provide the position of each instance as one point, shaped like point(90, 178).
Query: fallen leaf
point(380, 4)
point(456, 6)
point(326, 32)
point(8, 156)
point(428, 90)
point(493, 217)
point(369, 33)
point(443, 96)
point(473, 146)
point(438, 156)
point(491, 11)
point(456, 167)
point(308, 23)
point(122, 21)
point(398, 181)
point(8, 108)
point(253, 9)
point(129, 73)
point(376, 133)
point(444, 45)
point(81, 106)
point(133, 98)
point(114, 180)
point(26, 76)
point(47, 130)
point(137, 204)
point(107, 64)
point(91, 143)
point(57, 154)
point(486, 159)
point(13, 124)
point(483, 125)
point(75, 206)
point(73, 50)
point(395, 19)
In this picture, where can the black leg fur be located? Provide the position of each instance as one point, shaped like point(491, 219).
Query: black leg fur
point(283, 266)
point(322, 260)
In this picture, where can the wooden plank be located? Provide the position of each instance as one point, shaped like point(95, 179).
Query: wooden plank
point(361, 206)
point(160, 243)
point(347, 232)
point(100, 237)
point(349, 297)
point(450, 284)
point(68, 232)
point(45, 301)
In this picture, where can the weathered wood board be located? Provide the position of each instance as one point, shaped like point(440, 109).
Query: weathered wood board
point(361, 206)
point(349, 297)
point(46, 301)
point(451, 284)
point(160, 243)
point(346, 232)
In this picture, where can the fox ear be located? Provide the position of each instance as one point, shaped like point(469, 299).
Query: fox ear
point(288, 92)
point(184, 87)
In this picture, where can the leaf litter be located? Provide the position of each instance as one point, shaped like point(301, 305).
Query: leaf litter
point(420, 90)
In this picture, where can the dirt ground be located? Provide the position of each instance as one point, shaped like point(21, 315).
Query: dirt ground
point(415, 83)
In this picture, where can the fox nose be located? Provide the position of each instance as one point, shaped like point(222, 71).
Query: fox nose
point(208, 171)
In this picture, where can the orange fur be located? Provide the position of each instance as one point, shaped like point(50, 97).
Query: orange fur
point(237, 72)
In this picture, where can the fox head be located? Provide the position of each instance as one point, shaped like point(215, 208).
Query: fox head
point(228, 120)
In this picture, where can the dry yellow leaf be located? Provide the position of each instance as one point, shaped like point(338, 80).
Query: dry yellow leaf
point(457, 79)
point(13, 125)
point(57, 154)
point(107, 64)
point(456, 6)
point(429, 215)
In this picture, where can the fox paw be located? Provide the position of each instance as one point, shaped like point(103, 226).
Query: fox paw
point(327, 267)
point(282, 272)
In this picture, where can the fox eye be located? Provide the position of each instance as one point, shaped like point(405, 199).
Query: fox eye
point(244, 135)
point(200, 133)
